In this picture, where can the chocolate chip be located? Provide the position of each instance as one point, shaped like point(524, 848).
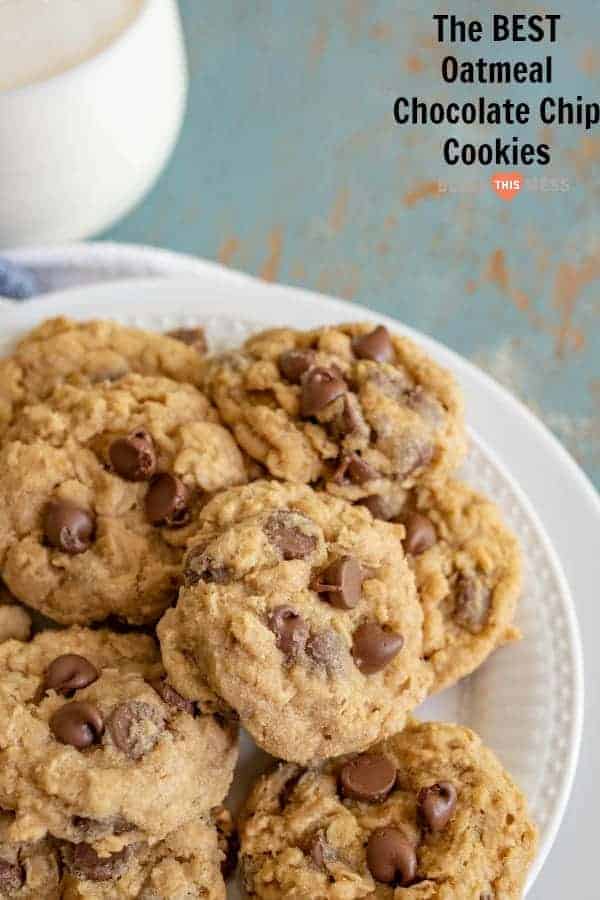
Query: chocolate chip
point(294, 363)
point(436, 805)
point(290, 630)
point(12, 878)
point(79, 724)
point(356, 469)
point(289, 786)
point(134, 457)
point(376, 506)
point(351, 419)
point(374, 647)
point(200, 566)
point(83, 862)
point(341, 583)
point(170, 696)
point(135, 727)
point(472, 601)
point(68, 527)
point(326, 649)
point(167, 501)
point(391, 858)
point(376, 345)
point(369, 778)
point(69, 673)
point(320, 386)
point(420, 534)
point(285, 534)
point(319, 849)
point(193, 337)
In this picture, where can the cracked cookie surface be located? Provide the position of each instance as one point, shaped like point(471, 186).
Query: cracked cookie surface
point(98, 484)
point(351, 406)
point(467, 566)
point(95, 745)
point(300, 612)
point(62, 350)
point(429, 814)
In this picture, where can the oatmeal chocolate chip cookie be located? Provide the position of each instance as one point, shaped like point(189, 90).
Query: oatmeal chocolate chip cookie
point(300, 612)
point(467, 566)
point(96, 746)
point(98, 484)
point(352, 406)
point(428, 815)
point(64, 351)
point(184, 866)
point(15, 622)
point(28, 870)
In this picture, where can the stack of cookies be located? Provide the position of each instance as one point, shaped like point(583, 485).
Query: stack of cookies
point(273, 538)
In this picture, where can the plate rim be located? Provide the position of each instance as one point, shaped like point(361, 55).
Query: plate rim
point(70, 299)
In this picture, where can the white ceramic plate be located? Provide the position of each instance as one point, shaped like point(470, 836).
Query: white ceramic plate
point(526, 702)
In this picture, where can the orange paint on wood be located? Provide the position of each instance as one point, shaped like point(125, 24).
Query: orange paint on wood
point(424, 190)
point(227, 250)
point(339, 210)
point(571, 281)
point(272, 264)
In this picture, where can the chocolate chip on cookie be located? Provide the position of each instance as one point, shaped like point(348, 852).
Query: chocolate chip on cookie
point(320, 386)
point(354, 469)
point(167, 501)
point(294, 363)
point(79, 724)
point(84, 863)
point(472, 603)
point(290, 630)
point(391, 858)
point(69, 673)
point(135, 727)
point(376, 345)
point(368, 778)
point(377, 507)
point(374, 647)
point(436, 805)
point(193, 337)
point(68, 527)
point(420, 534)
point(171, 697)
point(283, 530)
point(134, 457)
point(201, 566)
point(341, 583)
point(12, 878)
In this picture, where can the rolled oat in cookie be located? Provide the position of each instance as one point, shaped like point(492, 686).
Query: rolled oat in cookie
point(300, 613)
point(98, 749)
point(99, 484)
point(429, 814)
point(351, 406)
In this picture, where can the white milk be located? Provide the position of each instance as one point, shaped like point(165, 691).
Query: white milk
point(39, 38)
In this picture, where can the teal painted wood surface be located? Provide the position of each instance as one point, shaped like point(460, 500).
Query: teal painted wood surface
point(290, 167)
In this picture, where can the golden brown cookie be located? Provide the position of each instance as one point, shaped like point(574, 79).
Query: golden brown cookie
point(428, 815)
point(98, 484)
point(467, 566)
point(354, 407)
point(96, 746)
point(65, 351)
point(300, 612)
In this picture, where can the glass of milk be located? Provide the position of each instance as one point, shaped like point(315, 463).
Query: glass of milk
point(92, 96)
